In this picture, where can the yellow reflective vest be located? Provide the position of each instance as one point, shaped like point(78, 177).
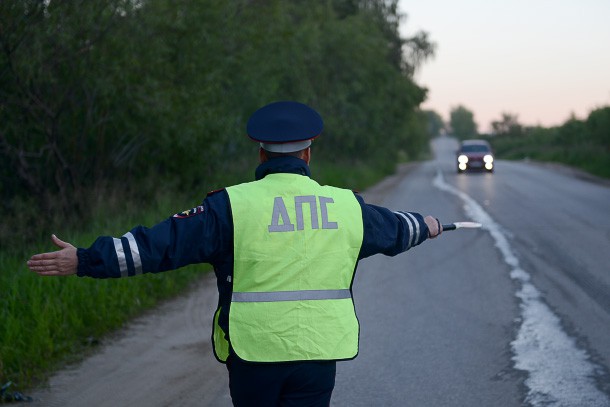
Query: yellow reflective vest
point(296, 245)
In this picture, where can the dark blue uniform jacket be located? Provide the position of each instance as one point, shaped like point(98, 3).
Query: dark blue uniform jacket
point(204, 234)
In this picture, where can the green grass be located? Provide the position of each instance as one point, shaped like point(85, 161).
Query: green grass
point(548, 147)
point(355, 175)
point(46, 321)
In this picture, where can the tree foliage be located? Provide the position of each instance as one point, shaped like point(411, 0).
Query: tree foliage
point(598, 126)
point(462, 123)
point(580, 143)
point(103, 97)
point(507, 125)
point(435, 123)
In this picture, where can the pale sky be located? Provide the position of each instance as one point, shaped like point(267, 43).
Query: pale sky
point(541, 60)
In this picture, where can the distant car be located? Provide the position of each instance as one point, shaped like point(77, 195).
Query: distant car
point(475, 155)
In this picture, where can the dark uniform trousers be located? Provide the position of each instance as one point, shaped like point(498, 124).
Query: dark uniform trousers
point(289, 384)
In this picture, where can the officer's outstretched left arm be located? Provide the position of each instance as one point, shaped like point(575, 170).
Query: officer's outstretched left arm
point(191, 237)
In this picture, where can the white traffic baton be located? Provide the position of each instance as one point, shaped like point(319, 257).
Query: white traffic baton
point(461, 225)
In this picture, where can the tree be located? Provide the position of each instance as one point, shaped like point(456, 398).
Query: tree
point(508, 125)
point(56, 96)
point(598, 124)
point(434, 122)
point(124, 96)
point(462, 123)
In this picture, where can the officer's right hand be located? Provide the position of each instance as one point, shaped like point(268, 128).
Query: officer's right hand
point(434, 226)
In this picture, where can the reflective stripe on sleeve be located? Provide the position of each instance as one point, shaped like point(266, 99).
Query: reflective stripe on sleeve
point(412, 222)
point(135, 253)
point(416, 223)
point(120, 254)
point(275, 296)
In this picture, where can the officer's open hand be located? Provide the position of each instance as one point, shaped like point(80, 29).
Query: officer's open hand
point(434, 226)
point(63, 262)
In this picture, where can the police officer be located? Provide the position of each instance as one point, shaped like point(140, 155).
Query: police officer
point(284, 251)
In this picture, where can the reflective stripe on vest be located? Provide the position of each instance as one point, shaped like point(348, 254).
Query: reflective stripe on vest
point(296, 245)
point(274, 296)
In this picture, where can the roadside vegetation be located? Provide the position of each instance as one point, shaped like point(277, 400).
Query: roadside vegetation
point(116, 113)
point(584, 144)
point(580, 143)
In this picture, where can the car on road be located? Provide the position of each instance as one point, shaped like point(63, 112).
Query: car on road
point(475, 155)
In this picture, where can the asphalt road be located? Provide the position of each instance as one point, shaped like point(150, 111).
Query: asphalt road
point(514, 314)
point(517, 313)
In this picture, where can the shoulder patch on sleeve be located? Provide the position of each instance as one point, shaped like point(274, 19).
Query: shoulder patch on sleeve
point(215, 191)
point(190, 212)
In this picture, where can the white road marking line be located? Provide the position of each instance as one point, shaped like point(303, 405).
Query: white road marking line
point(559, 373)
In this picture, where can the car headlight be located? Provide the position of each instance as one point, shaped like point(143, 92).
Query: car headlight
point(488, 158)
point(462, 159)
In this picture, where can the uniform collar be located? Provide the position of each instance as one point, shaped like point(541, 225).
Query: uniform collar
point(285, 164)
